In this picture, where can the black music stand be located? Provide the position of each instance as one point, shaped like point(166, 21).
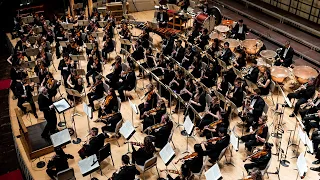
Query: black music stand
point(127, 131)
point(61, 106)
point(83, 22)
point(125, 42)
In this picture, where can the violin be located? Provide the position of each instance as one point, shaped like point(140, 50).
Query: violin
point(150, 95)
point(107, 100)
point(171, 171)
point(95, 85)
point(107, 116)
point(214, 124)
point(156, 126)
point(260, 129)
point(135, 143)
point(50, 82)
point(190, 156)
point(213, 139)
point(257, 155)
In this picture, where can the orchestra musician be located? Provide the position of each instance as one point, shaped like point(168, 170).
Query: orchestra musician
point(161, 131)
point(310, 107)
point(198, 102)
point(94, 68)
point(286, 55)
point(195, 33)
point(95, 143)
point(178, 51)
point(316, 141)
point(125, 34)
point(241, 60)
point(16, 74)
point(108, 47)
point(209, 76)
point(184, 4)
point(154, 115)
point(259, 159)
point(194, 161)
point(162, 18)
point(46, 106)
point(203, 40)
point(214, 48)
point(178, 82)
point(109, 104)
point(145, 151)
point(126, 171)
point(58, 163)
point(311, 121)
point(113, 77)
point(303, 93)
point(111, 122)
point(186, 94)
point(215, 145)
point(138, 53)
point(264, 80)
point(184, 174)
point(65, 68)
point(253, 72)
point(40, 70)
point(188, 58)
point(226, 53)
point(144, 39)
point(150, 102)
point(97, 91)
point(196, 66)
point(240, 30)
point(255, 174)
point(24, 94)
point(257, 136)
point(51, 84)
point(150, 63)
point(236, 94)
point(126, 83)
point(160, 67)
point(168, 44)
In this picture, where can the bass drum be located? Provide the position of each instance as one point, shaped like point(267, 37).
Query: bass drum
point(216, 13)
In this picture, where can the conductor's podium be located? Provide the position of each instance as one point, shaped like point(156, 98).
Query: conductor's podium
point(34, 145)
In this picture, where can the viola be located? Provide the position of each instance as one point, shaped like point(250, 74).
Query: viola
point(190, 156)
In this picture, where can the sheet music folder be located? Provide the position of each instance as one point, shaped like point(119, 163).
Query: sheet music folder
point(167, 154)
point(61, 138)
point(61, 105)
point(127, 130)
point(88, 165)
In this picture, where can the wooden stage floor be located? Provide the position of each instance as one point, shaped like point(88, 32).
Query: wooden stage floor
point(229, 172)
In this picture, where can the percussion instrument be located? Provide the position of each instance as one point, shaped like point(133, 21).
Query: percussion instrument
point(303, 73)
point(217, 35)
point(279, 73)
point(262, 63)
point(222, 28)
point(233, 43)
point(201, 18)
point(252, 46)
point(207, 22)
point(227, 22)
point(163, 31)
point(268, 54)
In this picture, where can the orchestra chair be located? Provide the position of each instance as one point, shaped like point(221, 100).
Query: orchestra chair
point(114, 136)
point(83, 36)
point(67, 174)
point(150, 163)
point(271, 90)
point(119, 104)
point(266, 109)
point(96, 102)
point(104, 153)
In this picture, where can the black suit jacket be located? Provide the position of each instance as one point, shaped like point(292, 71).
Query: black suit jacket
point(95, 144)
point(226, 56)
point(287, 60)
point(237, 97)
point(235, 30)
point(99, 90)
point(20, 91)
point(126, 173)
point(308, 92)
point(253, 76)
point(258, 107)
point(165, 17)
point(130, 80)
point(162, 135)
point(220, 145)
point(179, 54)
point(44, 103)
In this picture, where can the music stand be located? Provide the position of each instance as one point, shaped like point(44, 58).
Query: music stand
point(89, 165)
point(97, 34)
point(188, 127)
point(32, 51)
point(237, 72)
point(37, 30)
point(251, 84)
point(90, 45)
point(102, 23)
point(167, 154)
point(125, 42)
point(61, 106)
point(64, 43)
point(133, 109)
point(83, 22)
point(213, 173)
point(60, 138)
point(74, 93)
point(152, 25)
point(127, 131)
point(222, 64)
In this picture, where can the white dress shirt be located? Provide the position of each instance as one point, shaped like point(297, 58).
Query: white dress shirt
point(240, 29)
point(285, 52)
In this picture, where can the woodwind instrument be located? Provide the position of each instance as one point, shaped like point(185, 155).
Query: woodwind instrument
point(190, 156)
point(170, 171)
point(303, 86)
point(256, 155)
point(314, 114)
point(135, 143)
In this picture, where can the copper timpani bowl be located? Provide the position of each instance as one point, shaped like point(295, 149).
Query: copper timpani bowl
point(252, 46)
point(217, 35)
point(303, 73)
point(233, 43)
point(268, 54)
point(222, 28)
point(279, 73)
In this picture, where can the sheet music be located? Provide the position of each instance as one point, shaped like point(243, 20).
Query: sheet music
point(88, 164)
point(213, 173)
point(61, 105)
point(87, 110)
point(127, 129)
point(302, 165)
point(302, 135)
point(133, 106)
point(188, 125)
point(309, 144)
point(60, 138)
point(234, 141)
point(167, 153)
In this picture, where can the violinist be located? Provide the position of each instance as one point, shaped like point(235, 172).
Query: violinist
point(138, 52)
point(108, 47)
point(178, 51)
point(196, 66)
point(198, 102)
point(108, 29)
point(236, 93)
point(126, 171)
point(162, 18)
point(65, 68)
point(125, 34)
point(264, 80)
point(91, 27)
point(150, 102)
point(144, 153)
point(255, 174)
point(59, 162)
point(95, 143)
point(209, 76)
point(154, 115)
point(212, 115)
point(203, 40)
point(51, 84)
point(150, 63)
point(109, 104)
point(97, 91)
point(257, 136)
point(94, 68)
point(214, 148)
point(162, 132)
point(126, 83)
point(24, 94)
point(75, 82)
point(260, 159)
point(16, 73)
point(184, 174)
point(40, 70)
point(226, 53)
point(110, 121)
point(194, 161)
point(113, 78)
point(144, 38)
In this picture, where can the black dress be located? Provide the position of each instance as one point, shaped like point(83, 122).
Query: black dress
point(154, 119)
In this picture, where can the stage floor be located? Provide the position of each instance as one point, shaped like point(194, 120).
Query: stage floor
point(228, 172)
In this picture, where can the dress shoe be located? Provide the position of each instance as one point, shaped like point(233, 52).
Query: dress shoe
point(291, 115)
point(315, 169)
point(316, 162)
point(36, 116)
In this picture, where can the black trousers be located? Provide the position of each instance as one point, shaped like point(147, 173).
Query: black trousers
point(250, 166)
point(250, 140)
point(316, 141)
point(52, 173)
point(301, 100)
point(310, 122)
point(22, 100)
point(93, 74)
point(51, 126)
point(92, 96)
